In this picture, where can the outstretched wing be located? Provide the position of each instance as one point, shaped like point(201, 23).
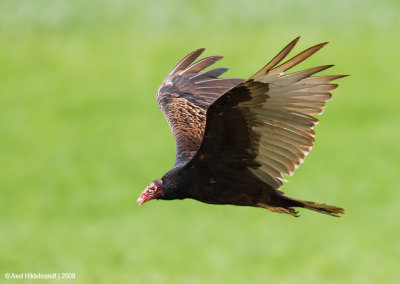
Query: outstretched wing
point(264, 126)
point(184, 97)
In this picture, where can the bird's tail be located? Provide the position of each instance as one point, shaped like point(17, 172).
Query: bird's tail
point(323, 208)
point(318, 207)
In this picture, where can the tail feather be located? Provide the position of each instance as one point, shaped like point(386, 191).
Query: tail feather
point(323, 208)
point(287, 202)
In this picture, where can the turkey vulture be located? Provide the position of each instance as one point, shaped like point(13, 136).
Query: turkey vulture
point(235, 138)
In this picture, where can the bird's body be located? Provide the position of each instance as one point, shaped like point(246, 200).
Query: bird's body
point(235, 138)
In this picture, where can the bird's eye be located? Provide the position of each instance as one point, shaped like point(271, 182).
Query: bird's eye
point(151, 190)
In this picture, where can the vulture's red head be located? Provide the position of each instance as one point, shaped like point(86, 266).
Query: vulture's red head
point(153, 191)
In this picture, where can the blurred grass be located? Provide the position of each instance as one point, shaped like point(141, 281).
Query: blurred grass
point(81, 136)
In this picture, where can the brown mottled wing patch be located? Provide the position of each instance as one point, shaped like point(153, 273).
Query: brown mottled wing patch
point(264, 126)
point(184, 97)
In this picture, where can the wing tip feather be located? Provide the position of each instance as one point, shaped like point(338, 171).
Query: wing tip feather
point(340, 76)
point(187, 60)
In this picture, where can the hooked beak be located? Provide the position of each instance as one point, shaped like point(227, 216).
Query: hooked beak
point(140, 201)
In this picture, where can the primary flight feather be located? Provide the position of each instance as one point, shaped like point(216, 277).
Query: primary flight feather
point(236, 138)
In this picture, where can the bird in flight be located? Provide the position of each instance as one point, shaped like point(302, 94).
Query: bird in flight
point(235, 138)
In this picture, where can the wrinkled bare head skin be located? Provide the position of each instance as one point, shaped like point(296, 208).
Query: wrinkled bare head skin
point(153, 191)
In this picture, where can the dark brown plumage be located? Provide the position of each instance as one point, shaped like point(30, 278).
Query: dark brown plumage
point(236, 138)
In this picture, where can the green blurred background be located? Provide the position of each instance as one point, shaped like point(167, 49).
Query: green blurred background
point(81, 136)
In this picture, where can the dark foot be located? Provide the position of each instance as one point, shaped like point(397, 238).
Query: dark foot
point(289, 211)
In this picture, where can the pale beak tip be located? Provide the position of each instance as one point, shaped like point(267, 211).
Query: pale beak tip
point(139, 201)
